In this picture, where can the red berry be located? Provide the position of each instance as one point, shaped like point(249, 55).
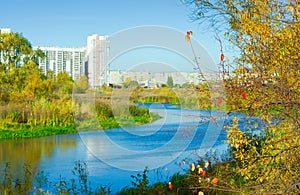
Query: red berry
point(203, 173)
point(244, 95)
point(222, 57)
point(220, 101)
point(170, 186)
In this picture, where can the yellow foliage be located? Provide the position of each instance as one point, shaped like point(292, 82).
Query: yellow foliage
point(267, 32)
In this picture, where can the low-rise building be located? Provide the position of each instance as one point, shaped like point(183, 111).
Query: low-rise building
point(5, 30)
point(117, 77)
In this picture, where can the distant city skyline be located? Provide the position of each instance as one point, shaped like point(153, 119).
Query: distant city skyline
point(156, 50)
point(157, 78)
point(67, 23)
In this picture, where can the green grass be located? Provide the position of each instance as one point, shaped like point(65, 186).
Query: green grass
point(105, 123)
point(103, 119)
point(14, 131)
point(17, 131)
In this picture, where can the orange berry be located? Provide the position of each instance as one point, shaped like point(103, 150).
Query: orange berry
point(215, 180)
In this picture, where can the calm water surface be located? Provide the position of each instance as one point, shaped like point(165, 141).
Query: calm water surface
point(113, 155)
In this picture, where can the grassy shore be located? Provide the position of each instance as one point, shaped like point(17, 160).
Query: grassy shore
point(18, 131)
point(104, 118)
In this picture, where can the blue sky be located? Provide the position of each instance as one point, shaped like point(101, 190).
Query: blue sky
point(67, 23)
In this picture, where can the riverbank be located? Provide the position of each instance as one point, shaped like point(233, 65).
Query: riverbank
point(20, 131)
point(17, 131)
point(164, 146)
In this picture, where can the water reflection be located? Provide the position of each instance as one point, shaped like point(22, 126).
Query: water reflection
point(174, 138)
point(32, 151)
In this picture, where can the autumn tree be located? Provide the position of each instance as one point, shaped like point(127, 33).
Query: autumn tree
point(81, 85)
point(28, 96)
point(129, 83)
point(64, 84)
point(265, 84)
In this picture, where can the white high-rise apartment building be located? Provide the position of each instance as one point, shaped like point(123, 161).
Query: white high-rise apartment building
point(97, 56)
point(69, 60)
point(91, 61)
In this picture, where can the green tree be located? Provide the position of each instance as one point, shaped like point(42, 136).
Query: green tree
point(170, 81)
point(36, 55)
point(265, 83)
point(15, 50)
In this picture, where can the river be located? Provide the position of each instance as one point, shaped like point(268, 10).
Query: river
point(165, 146)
